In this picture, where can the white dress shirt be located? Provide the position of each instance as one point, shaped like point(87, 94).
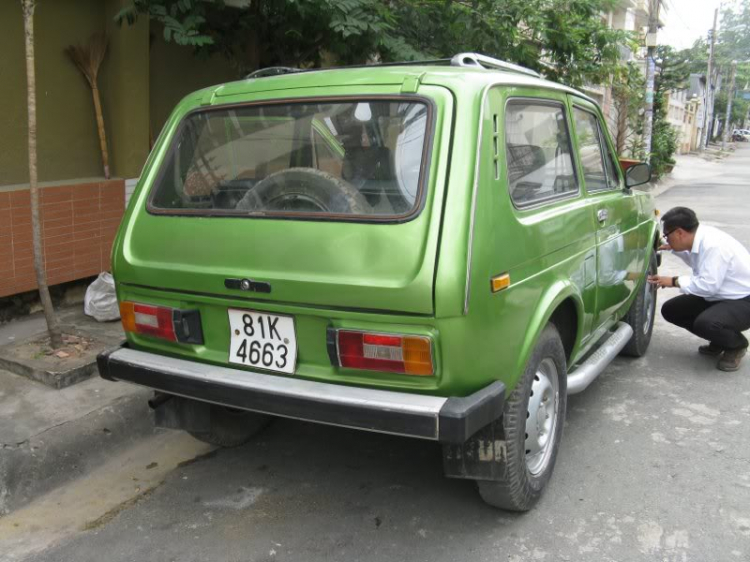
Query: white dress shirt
point(720, 264)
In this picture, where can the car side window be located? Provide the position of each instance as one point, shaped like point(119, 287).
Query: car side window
point(538, 154)
point(597, 168)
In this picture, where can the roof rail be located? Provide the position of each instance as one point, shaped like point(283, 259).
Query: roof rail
point(272, 71)
point(482, 61)
point(472, 60)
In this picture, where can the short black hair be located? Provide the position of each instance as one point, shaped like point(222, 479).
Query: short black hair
point(680, 217)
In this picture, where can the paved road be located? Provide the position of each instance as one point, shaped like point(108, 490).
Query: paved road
point(655, 466)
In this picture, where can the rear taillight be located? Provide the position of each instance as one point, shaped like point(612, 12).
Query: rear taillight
point(410, 355)
point(148, 320)
point(162, 322)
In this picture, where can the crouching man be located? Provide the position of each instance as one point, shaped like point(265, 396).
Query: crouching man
point(715, 300)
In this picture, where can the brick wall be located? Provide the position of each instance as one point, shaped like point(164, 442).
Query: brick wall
point(79, 223)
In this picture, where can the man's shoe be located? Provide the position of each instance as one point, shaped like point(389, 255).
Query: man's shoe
point(710, 349)
point(730, 361)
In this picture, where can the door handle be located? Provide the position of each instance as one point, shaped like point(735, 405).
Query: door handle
point(602, 215)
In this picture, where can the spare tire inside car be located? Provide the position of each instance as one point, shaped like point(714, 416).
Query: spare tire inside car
point(305, 190)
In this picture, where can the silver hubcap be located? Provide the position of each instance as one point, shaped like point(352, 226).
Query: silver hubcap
point(541, 417)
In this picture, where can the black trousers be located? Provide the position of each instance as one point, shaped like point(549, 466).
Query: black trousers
point(720, 322)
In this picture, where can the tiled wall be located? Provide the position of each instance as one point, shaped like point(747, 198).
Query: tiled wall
point(79, 223)
point(129, 189)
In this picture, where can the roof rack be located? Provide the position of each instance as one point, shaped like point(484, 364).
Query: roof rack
point(482, 61)
point(471, 60)
point(272, 71)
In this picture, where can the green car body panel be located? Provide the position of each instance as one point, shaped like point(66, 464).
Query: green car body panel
point(429, 274)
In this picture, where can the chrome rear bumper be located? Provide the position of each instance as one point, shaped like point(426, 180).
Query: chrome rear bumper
point(448, 420)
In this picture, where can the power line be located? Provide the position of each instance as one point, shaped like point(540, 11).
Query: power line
point(676, 11)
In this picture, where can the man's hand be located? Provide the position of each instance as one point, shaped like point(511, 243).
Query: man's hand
point(664, 248)
point(660, 281)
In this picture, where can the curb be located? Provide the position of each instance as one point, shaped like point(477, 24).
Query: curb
point(70, 450)
point(82, 368)
point(52, 379)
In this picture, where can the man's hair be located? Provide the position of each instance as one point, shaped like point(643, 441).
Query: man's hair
point(680, 217)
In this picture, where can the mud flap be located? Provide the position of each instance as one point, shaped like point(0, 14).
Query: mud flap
point(175, 412)
point(481, 457)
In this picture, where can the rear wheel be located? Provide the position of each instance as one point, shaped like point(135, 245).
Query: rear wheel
point(231, 427)
point(641, 315)
point(532, 423)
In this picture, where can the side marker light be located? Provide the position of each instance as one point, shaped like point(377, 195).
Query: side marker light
point(500, 282)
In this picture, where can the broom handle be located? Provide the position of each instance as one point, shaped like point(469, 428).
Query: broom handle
point(100, 126)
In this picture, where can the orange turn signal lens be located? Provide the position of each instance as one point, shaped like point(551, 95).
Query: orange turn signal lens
point(500, 282)
point(127, 315)
point(417, 356)
point(390, 353)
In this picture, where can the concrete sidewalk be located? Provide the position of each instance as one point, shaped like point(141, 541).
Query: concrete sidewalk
point(49, 437)
point(689, 167)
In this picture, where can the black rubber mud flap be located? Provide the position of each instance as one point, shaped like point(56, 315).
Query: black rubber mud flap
point(481, 457)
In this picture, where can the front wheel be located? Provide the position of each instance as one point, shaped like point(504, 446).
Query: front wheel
point(641, 315)
point(532, 423)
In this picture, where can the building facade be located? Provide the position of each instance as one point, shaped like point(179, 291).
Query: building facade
point(140, 81)
point(627, 15)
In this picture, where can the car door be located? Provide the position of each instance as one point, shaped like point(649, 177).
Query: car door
point(619, 257)
point(542, 230)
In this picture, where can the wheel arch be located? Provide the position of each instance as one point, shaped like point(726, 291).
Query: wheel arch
point(651, 249)
point(566, 320)
point(562, 305)
point(656, 237)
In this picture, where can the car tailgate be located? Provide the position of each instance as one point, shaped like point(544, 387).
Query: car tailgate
point(387, 267)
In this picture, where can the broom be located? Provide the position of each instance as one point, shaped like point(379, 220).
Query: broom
point(88, 58)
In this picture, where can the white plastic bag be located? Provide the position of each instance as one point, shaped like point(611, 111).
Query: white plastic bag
point(101, 301)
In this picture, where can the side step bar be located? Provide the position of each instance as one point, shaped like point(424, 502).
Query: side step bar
point(587, 371)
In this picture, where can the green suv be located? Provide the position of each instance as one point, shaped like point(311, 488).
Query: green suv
point(442, 250)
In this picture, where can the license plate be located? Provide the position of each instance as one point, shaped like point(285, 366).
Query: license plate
point(264, 341)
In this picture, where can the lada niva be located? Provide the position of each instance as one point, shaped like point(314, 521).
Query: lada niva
point(443, 250)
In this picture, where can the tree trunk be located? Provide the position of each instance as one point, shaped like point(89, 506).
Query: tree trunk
point(100, 127)
point(41, 275)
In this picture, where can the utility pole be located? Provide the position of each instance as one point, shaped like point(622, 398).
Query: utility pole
point(653, 27)
point(730, 96)
point(709, 89)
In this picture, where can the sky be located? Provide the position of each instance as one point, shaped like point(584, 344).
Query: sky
point(687, 20)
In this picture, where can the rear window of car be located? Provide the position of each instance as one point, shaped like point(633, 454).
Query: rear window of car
point(349, 159)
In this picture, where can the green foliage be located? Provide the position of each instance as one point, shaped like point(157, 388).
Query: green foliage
point(663, 147)
point(673, 72)
point(673, 69)
point(739, 107)
point(566, 40)
point(182, 19)
point(628, 94)
point(734, 40)
point(732, 44)
point(637, 147)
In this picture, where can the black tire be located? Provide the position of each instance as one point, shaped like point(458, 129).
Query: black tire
point(231, 428)
point(641, 315)
point(305, 190)
point(523, 474)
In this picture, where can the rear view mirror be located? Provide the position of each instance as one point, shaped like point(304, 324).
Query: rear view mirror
point(638, 175)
